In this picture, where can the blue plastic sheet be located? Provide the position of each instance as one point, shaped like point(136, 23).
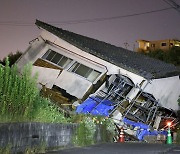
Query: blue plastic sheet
point(95, 106)
point(143, 129)
point(87, 106)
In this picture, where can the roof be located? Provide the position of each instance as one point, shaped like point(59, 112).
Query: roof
point(134, 62)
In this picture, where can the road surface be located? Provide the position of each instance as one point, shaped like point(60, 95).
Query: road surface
point(122, 148)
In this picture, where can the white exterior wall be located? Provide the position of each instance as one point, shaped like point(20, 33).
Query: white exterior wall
point(73, 84)
point(66, 80)
point(32, 53)
point(166, 91)
point(46, 76)
point(112, 69)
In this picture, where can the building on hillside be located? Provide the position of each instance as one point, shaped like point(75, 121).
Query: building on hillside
point(104, 79)
point(71, 67)
point(165, 45)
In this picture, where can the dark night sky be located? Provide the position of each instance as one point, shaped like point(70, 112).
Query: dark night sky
point(17, 18)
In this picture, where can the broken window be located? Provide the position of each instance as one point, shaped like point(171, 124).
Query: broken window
point(56, 58)
point(84, 71)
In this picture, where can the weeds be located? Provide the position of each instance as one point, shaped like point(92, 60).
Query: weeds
point(20, 98)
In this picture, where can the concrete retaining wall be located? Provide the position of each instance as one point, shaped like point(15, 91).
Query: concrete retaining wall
point(20, 136)
point(23, 135)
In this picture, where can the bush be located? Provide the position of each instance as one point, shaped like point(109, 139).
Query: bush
point(88, 125)
point(178, 137)
point(20, 98)
point(48, 112)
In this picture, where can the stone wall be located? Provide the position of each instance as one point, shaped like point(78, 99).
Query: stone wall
point(22, 135)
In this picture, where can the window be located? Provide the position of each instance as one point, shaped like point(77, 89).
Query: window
point(153, 45)
point(163, 44)
point(147, 44)
point(56, 58)
point(177, 44)
point(84, 71)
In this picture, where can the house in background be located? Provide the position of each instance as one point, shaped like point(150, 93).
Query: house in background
point(71, 67)
point(165, 45)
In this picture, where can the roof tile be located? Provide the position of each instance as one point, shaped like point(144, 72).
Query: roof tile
point(129, 60)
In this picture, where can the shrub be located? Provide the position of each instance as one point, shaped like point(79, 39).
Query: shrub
point(20, 98)
point(88, 125)
point(178, 137)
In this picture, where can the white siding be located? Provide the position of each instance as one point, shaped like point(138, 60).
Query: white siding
point(73, 84)
point(166, 90)
point(112, 69)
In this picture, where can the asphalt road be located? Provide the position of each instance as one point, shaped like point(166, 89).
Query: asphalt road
point(122, 148)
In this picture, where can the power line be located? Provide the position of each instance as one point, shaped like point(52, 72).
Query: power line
point(21, 23)
point(110, 18)
point(173, 4)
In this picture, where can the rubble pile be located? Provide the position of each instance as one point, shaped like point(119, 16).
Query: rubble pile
point(139, 116)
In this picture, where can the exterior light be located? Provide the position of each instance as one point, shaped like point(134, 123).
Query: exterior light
point(169, 124)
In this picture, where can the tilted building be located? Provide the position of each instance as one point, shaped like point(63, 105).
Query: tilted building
point(73, 66)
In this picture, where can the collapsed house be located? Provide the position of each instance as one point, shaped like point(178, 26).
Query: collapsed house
point(106, 80)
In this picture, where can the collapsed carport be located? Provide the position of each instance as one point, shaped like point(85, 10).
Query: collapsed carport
point(140, 117)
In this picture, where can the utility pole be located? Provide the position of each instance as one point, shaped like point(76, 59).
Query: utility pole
point(126, 45)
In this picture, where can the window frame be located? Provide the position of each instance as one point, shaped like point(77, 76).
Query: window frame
point(85, 76)
point(46, 54)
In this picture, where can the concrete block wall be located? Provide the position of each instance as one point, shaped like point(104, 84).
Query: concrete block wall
point(22, 135)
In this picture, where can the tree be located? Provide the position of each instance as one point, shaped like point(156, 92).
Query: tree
point(12, 58)
point(171, 56)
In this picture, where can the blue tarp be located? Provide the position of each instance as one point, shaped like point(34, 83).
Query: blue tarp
point(143, 129)
point(87, 106)
point(95, 106)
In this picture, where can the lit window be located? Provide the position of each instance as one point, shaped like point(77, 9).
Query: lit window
point(177, 45)
point(147, 44)
point(163, 44)
point(56, 58)
point(153, 45)
point(84, 71)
